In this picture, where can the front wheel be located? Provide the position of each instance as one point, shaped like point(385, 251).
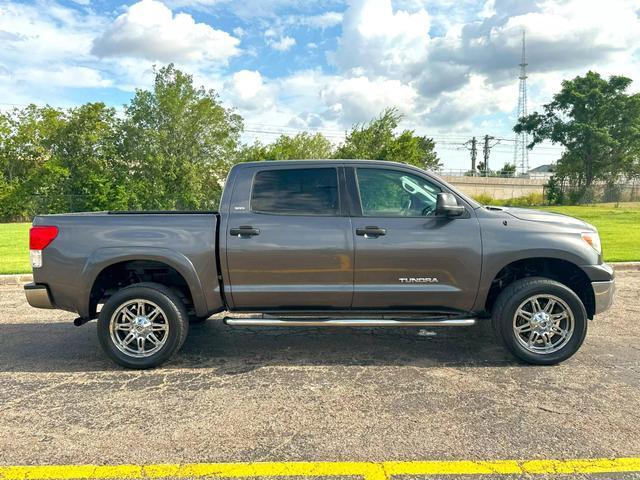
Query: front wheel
point(541, 321)
point(142, 326)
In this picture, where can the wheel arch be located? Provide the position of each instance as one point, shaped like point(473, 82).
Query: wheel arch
point(560, 270)
point(107, 264)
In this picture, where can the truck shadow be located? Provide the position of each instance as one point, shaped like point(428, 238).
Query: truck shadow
point(61, 347)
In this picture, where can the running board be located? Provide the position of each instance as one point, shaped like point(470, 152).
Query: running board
point(347, 322)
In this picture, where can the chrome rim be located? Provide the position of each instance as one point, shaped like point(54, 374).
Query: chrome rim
point(139, 328)
point(543, 324)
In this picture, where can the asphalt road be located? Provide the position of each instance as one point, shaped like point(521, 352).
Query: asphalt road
point(292, 394)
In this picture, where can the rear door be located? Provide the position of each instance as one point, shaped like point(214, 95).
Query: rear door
point(288, 241)
point(405, 256)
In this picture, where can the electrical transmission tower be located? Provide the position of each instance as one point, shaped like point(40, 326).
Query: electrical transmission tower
point(520, 153)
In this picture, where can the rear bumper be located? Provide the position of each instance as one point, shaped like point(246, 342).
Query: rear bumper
point(38, 295)
point(603, 293)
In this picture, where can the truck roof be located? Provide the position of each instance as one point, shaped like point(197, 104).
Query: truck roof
point(325, 160)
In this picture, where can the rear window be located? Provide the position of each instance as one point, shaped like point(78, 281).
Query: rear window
point(300, 191)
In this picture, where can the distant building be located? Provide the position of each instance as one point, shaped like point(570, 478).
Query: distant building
point(543, 171)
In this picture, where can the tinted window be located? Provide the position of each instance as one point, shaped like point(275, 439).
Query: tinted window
point(297, 191)
point(394, 193)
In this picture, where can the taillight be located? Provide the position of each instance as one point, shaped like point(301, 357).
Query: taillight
point(39, 238)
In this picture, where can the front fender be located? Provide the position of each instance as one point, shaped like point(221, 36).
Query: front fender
point(494, 263)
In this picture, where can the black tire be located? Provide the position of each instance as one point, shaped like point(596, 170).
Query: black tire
point(173, 309)
point(510, 299)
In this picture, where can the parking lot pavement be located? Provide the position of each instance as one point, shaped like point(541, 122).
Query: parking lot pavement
point(245, 395)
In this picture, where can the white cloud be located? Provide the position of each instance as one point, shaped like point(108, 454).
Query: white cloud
point(470, 68)
point(249, 91)
point(324, 20)
point(63, 76)
point(149, 29)
point(359, 99)
point(476, 98)
point(45, 53)
point(31, 34)
point(282, 44)
point(561, 36)
point(377, 40)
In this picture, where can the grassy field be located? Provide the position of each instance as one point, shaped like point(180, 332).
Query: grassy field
point(619, 229)
point(14, 248)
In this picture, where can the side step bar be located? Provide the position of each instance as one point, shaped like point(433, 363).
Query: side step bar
point(347, 322)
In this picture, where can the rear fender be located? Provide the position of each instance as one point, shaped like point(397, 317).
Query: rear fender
point(107, 256)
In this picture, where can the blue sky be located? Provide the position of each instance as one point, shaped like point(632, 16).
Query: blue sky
point(289, 65)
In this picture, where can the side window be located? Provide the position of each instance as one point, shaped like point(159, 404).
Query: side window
point(394, 193)
point(298, 191)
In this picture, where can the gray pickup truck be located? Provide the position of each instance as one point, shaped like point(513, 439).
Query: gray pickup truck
point(324, 243)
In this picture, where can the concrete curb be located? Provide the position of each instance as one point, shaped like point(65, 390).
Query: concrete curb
point(22, 278)
point(17, 279)
point(620, 266)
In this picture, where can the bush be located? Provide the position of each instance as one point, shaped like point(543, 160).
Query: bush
point(484, 198)
point(531, 200)
point(554, 191)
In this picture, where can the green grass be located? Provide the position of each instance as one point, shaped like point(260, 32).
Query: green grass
point(14, 248)
point(619, 229)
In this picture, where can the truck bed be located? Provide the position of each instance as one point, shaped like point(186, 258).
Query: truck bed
point(89, 244)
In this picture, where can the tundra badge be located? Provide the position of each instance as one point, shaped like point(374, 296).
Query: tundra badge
point(418, 280)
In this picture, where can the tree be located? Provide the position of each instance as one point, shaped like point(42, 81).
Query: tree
point(508, 170)
point(85, 146)
point(598, 124)
point(28, 169)
point(301, 146)
point(179, 143)
point(484, 172)
point(377, 140)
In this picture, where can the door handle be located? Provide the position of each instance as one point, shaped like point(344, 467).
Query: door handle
point(244, 231)
point(371, 232)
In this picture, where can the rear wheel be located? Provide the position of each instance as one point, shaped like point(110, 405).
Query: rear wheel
point(142, 326)
point(541, 321)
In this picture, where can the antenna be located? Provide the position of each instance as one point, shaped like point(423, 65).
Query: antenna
point(520, 152)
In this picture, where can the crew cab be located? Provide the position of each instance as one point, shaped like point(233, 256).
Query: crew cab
point(324, 243)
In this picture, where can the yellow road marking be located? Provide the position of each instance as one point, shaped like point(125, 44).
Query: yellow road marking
point(365, 470)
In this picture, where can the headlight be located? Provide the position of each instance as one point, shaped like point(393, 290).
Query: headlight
point(593, 239)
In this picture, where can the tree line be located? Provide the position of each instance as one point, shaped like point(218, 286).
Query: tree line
point(170, 148)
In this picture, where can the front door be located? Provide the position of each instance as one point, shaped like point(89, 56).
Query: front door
point(288, 243)
point(405, 256)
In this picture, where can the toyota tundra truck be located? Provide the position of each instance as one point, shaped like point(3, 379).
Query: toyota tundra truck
point(324, 243)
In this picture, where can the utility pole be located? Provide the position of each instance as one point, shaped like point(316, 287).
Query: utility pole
point(485, 151)
point(474, 152)
point(520, 152)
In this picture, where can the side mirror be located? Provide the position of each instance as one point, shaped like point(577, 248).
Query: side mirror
point(447, 206)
